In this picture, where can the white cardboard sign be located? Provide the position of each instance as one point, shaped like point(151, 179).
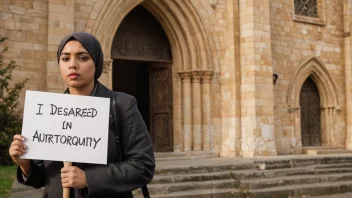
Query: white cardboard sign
point(63, 127)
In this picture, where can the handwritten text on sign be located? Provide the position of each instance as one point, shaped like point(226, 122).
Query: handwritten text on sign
point(63, 127)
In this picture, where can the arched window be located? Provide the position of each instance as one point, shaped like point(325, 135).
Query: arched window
point(306, 8)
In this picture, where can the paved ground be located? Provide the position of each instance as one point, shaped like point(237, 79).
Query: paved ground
point(21, 191)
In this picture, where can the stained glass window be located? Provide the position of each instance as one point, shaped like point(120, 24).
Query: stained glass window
point(306, 8)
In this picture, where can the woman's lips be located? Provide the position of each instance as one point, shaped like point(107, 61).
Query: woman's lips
point(73, 76)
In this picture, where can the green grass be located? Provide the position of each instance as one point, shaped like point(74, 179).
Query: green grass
point(7, 177)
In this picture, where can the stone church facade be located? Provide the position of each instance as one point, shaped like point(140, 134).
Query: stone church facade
point(230, 77)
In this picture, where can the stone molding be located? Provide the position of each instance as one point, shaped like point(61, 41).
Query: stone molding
point(185, 76)
point(203, 76)
point(213, 3)
point(107, 65)
point(330, 102)
point(328, 91)
point(319, 20)
point(196, 76)
point(206, 76)
point(102, 26)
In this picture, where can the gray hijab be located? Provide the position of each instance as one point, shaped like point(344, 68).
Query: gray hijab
point(91, 44)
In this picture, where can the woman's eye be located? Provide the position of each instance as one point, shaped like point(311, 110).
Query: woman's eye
point(65, 59)
point(83, 58)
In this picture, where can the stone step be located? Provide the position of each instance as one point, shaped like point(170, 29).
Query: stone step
point(203, 169)
point(327, 151)
point(183, 180)
point(332, 171)
point(329, 189)
point(297, 191)
point(203, 193)
point(185, 186)
point(171, 156)
point(304, 161)
point(342, 195)
point(324, 150)
point(343, 158)
point(247, 174)
point(250, 174)
point(294, 180)
point(178, 178)
point(342, 165)
point(162, 184)
point(306, 148)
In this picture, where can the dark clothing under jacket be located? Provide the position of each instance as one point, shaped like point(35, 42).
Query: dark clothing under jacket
point(114, 179)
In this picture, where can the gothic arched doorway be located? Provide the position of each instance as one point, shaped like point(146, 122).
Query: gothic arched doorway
point(310, 114)
point(142, 67)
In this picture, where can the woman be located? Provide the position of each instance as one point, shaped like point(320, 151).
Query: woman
point(80, 58)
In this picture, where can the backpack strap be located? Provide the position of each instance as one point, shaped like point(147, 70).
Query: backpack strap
point(115, 112)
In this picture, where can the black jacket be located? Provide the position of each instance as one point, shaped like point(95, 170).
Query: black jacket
point(114, 179)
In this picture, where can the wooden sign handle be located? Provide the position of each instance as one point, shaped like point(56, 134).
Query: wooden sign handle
point(66, 191)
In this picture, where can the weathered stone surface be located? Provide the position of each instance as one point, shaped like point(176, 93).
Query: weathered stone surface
point(329, 175)
point(295, 177)
point(242, 43)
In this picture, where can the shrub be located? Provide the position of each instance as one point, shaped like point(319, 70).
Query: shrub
point(10, 117)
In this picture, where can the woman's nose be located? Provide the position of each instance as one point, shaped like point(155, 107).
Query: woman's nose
point(73, 64)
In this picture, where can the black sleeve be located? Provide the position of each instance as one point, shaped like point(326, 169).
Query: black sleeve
point(36, 177)
point(138, 168)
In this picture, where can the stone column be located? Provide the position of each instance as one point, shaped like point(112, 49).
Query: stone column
point(257, 93)
point(187, 111)
point(330, 128)
point(206, 110)
point(327, 121)
point(348, 70)
point(324, 117)
point(196, 111)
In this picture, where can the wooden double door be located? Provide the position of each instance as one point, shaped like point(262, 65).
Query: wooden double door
point(151, 85)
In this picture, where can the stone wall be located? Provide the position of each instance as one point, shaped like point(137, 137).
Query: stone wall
point(235, 45)
point(60, 24)
point(295, 41)
point(221, 19)
point(25, 23)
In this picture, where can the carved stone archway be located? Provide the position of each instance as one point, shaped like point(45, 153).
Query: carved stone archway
point(329, 98)
point(191, 52)
point(181, 22)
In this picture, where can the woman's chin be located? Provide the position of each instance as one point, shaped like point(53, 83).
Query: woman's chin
point(75, 85)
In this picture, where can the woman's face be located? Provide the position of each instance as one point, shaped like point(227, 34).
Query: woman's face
point(77, 66)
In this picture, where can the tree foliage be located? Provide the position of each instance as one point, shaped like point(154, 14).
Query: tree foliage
point(10, 116)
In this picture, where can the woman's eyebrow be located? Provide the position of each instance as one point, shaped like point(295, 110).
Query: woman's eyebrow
point(78, 53)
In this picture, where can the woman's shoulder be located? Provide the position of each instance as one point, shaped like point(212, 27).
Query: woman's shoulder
point(124, 100)
point(103, 91)
point(123, 96)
